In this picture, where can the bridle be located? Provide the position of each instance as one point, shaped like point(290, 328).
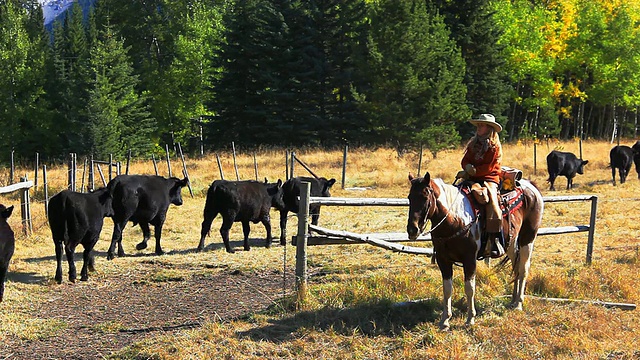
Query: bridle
point(426, 213)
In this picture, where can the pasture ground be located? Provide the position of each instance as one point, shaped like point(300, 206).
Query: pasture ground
point(361, 298)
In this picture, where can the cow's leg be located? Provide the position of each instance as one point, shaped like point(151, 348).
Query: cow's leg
point(146, 235)
point(266, 221)
point(227, 221)
point(613, 175)
point(69, 251)
point(3, 276)
point(446, 269)
point(552, 180)
point(283, 226)
point(58, 261)
point(118, 226)
point(315, 215)
point(87, 257)
point(157, 232)
point(569, 183)
point(206, 227)
point(521, 274)
point(470, 266)
point(246, 229)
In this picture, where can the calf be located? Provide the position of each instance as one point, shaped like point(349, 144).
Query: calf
point(566, 164)
point(240, 201)
point(7, 245)
point(636, 156)
point(621, 157)
point(77, 218)
point(142, 200)
point(290, 194)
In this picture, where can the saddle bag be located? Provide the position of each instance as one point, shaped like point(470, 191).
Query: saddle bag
point(509, 178)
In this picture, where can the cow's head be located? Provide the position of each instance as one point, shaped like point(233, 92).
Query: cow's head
point(326, 185)
point(275, 193)
point(581, 164)
point(105, 198)
point(175, 190)
point(5, 212)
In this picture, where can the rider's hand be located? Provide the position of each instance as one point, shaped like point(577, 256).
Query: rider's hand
point(462, 175)
point(470, 169)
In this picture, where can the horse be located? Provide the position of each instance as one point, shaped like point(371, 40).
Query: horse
point(456, 231)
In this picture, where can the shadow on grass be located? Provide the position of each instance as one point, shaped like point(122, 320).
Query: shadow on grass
point(382, 318)
point(27, 278)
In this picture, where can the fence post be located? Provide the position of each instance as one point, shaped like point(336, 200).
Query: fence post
point(46, 190)
point(128, 160)
point(166, 147)
point(35, 171)
point(301, 243)
point(25, 209)
point(155, 165)
point(219, 166)
point(12, 171)
point(70, 172)
point(92, 182)
point(344, 163)
point(293, 156)
point(420, 161)
point(110, 167)
point(592, 228)
point(235, 164)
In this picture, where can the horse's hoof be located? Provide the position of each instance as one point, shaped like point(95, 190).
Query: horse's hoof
point(160, 252)
point(141, 246)
point(110, 256)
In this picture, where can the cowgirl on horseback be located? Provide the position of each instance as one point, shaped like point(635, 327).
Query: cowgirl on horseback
point(481, 164)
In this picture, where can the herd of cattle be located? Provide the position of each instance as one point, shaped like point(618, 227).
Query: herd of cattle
point(77, 218)
point(567, 164)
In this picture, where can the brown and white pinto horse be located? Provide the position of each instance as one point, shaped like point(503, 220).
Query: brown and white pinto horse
point(455, 232)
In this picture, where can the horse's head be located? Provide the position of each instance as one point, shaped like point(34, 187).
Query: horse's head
point(422, 200)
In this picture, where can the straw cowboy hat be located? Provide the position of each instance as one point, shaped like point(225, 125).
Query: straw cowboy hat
point(487, 119)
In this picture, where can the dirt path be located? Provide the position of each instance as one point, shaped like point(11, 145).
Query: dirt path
point(139, 309)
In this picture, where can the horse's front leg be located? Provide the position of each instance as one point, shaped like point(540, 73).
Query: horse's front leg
point(470, 266)
point(521, 273)
point(446, 269)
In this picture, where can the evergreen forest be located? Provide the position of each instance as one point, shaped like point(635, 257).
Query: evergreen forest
point(113, 76)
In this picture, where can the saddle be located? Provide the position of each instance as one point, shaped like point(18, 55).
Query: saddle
point(510, 192)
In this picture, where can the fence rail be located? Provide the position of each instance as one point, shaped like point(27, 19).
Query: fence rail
point(25, 202)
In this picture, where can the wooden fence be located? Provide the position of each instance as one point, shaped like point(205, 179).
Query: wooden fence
point(391, 241)
point(25, 203)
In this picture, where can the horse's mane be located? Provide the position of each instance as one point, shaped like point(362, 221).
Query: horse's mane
point(454, 200)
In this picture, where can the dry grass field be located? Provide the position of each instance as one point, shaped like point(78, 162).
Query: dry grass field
point(214, 305)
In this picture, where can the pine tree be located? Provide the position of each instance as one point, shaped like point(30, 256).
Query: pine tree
point(23, 115)
point(118, 116)
point(417, 92)
point(477, 35)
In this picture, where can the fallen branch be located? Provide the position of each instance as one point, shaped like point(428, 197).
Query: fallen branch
point(623, 306)
point(373, 241)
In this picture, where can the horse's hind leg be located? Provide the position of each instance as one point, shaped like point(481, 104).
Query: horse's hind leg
point(521, 272)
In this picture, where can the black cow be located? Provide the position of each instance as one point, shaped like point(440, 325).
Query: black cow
point(621, 157)
point(240, 201)
point(7, 245)
point(566, 164)
point(636, 156)
point(77, 218)
point(143, 200)
point(290, 194)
